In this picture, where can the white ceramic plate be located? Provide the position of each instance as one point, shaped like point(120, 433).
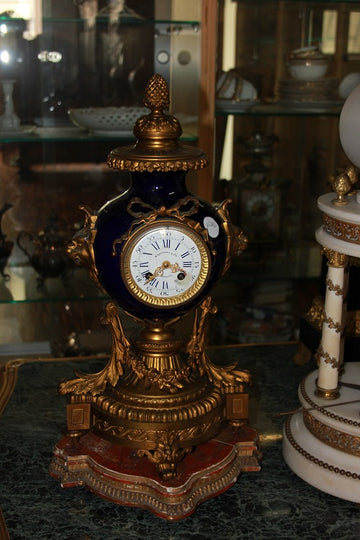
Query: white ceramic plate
point(100, 133)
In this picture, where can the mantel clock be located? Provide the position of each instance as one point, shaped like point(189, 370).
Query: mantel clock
point(160, 426)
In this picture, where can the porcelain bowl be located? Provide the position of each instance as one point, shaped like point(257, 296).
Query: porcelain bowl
point(308, 69)
point(107, 121)
point(233, 87)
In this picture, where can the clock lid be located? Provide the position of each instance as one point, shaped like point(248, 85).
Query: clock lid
point(157, 147)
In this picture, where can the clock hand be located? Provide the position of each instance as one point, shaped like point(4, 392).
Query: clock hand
point(160, 269)
point(176, 268)
point(158, 272)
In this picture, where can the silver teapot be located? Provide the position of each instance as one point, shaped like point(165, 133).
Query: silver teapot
point(46, 251)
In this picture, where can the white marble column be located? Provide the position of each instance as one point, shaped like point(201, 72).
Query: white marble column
point(330, 351)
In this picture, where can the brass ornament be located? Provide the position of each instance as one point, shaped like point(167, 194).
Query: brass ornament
point(352, 173)
point(315, 315)
point(348, 232)
point(332, 437)
point(96, 383)
point(153, 398)
point(168, 379)
point(332, 324)
point(148, 214)
point(224, 377)
point(157, 147)
point(335, 258)
point(132, 413)
point(168, 452)
point(157, 94)
point(331, 286)
point(161, 166)
point(343, 185)
point(325, 356)
point(325, 411)
point(236, 240)
point(327, 393)
point(80, 248)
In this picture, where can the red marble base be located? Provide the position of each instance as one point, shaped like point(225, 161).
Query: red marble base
point(117, 474)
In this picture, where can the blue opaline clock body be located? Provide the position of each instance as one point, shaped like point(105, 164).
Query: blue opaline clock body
point(150, 191)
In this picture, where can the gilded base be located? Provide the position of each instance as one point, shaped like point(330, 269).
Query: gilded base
point(325, 393)
point(119, 475)
point(156, 395)
point(162, 427)
point(196, 409)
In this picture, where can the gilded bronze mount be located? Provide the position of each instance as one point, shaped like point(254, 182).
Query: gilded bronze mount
point(155, 399)
point(157, 395)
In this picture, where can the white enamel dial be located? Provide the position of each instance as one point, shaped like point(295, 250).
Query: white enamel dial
point(165, 264)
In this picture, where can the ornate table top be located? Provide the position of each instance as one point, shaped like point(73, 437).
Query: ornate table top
point(273, 503)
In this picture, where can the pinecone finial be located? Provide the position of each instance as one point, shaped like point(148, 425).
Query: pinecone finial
point(157, 94)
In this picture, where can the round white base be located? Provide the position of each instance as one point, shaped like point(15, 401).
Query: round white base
point(323, 463)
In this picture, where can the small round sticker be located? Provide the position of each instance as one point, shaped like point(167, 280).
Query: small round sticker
point(211, 226)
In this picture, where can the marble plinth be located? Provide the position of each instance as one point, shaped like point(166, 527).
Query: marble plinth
point(321, 444)
point(117, 474)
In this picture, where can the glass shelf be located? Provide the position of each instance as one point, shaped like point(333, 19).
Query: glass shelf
point(278, 110)
point(22, 286)
point(71, 134)
point(121, 20)
point(105, 19)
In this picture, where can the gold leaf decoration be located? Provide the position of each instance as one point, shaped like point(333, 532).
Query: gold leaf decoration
point(95, 383)
point(157, 94)
point(220, 376)
point(236, 241)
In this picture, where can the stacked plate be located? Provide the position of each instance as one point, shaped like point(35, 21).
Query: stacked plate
point(319, 94)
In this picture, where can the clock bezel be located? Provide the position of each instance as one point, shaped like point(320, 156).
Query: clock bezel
point(168, 301)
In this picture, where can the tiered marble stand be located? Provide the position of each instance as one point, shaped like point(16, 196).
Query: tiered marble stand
point(322, 442)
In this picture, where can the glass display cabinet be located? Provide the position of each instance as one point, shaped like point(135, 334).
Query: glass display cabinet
point(91, 58)
point(277, 149)
point(272, 159)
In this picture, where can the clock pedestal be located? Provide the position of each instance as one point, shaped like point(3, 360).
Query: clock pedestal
point(171, 433)
point(120, 475)
point(161, 426)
